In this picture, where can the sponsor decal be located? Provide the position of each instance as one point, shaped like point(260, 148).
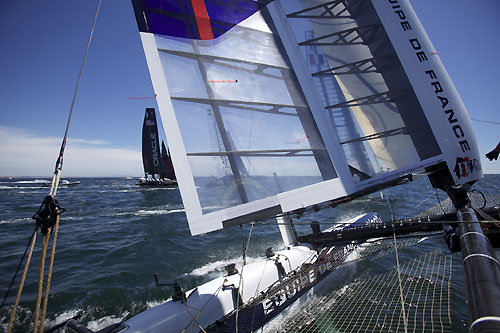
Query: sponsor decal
point(464, 167)
point(296, 283)
point(154, 148)
point(437, 87)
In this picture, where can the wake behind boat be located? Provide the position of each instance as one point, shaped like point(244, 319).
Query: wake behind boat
point(62, 182)
point(300, 106)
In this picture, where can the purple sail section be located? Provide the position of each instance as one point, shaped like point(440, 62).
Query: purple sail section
point(226, 14)
point(177, 17)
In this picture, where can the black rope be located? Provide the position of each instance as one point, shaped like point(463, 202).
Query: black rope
point(439, 202)
point(17, 270)
point(481, 194)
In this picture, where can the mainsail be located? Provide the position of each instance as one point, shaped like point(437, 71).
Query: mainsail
point(274, 106)
point(150, 144)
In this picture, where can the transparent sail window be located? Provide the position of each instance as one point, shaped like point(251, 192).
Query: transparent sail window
point(246, 127)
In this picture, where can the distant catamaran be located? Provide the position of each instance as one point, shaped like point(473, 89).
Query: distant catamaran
point(158, 168)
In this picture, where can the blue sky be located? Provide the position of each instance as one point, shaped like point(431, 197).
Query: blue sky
point(43, 45)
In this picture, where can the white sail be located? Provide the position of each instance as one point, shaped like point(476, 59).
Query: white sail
point(302, 102)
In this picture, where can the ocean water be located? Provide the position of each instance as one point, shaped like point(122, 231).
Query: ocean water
point(115, 235)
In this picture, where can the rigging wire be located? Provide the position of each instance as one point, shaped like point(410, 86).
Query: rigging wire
point(18, 268)
point(203, 307)
point(59, 162)
point(405, 322)
point(439, 202)
point(486, 121)
point(420, 203)
point(240, 285)
point(53, 190)
point(398, 267)
point(21, 285)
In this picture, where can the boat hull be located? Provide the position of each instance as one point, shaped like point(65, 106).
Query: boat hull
point(251, 297)
point(156, 183)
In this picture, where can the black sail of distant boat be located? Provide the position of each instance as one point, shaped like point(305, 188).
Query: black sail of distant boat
point(158, 167)
point(167, 168)
point(150, 145)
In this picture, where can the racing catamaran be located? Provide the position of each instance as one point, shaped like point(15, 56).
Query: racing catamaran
point(276, 108)
point(158, 169)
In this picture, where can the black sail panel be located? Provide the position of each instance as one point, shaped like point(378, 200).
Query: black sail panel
point(150, 144)
point(167, 166)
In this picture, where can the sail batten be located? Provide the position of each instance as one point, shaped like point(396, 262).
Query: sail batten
point(357, 67)
point(288, 152)
point(298, 102)
point(227, 61)
point(327, 10)
point(243, 104)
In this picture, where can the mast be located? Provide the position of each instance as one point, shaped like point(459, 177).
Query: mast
point(481, 266)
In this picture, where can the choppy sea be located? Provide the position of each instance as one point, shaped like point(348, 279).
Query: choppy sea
point(115, 235)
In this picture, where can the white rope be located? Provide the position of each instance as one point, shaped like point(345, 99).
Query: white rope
point(398, 269)
point(400, 285)
point(409, 211)
point(240, 284)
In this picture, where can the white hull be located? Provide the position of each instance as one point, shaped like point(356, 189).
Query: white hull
point(264, 293)
point(214, 300)
point(265, 288)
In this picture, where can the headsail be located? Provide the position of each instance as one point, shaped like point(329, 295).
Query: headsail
point(167, 168)
point(298, 102)
point(150, 144)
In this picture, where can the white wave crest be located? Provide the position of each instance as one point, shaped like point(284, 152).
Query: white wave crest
point(143, 212)
point(36, 181)
point(218, 268)
point(13, 221)
point(152, 304)
point(62, 317)
point(103, 322)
